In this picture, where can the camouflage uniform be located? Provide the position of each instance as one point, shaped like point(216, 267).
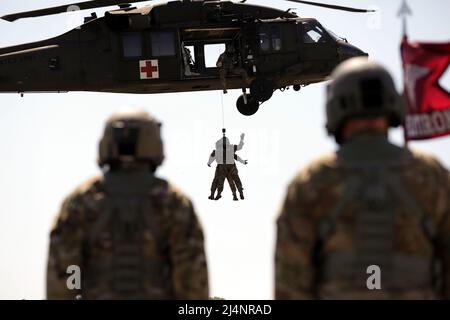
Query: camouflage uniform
point(229, 172)
point(134, 236)
point(226, 65)
point(311, 264)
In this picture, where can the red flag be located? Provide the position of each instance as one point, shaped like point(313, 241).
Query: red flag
point(427, 103)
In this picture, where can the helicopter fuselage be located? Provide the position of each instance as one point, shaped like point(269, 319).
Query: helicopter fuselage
point(174, 47)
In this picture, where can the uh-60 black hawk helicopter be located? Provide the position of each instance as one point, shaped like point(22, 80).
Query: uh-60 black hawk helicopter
point(163, 48)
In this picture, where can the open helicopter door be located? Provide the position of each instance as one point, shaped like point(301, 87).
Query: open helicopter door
point(202, 47)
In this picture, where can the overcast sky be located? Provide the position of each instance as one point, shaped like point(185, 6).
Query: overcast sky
point(48, 146)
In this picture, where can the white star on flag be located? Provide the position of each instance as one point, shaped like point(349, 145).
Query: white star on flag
point(413, 73)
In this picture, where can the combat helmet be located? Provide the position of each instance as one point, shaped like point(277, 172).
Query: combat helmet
point(361, 89)
point(131, 137)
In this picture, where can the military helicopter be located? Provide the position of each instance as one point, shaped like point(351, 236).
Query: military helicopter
point(163, 48)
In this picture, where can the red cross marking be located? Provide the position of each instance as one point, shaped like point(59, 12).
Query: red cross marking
point(148, 69)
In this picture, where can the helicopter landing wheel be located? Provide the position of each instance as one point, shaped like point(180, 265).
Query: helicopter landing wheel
point(261, 89)
point(249, 108)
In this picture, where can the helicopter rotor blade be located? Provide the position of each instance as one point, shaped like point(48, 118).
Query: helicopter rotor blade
point(66, 8)
point(331, 6)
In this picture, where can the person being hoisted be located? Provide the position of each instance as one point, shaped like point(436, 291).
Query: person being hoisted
point(225, 156)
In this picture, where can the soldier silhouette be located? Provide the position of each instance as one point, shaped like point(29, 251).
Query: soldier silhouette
point(225, 156)
point(370, 205)
point(132, 235)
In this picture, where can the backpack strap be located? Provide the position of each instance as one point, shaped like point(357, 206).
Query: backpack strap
point(328, 225)
point(428, 225)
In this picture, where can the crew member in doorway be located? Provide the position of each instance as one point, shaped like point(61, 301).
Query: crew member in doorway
point(228, 64)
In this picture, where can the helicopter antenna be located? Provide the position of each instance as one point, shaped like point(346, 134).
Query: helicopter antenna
point(403, 13)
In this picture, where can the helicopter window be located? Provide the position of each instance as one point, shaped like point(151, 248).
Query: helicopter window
point(264, 38)
point(163, 43)
point(270, 38)
point(313, 33)
point(212, 54)
point(132, 44)
point(276, 38)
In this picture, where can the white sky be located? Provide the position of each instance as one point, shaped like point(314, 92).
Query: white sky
point(48, 146)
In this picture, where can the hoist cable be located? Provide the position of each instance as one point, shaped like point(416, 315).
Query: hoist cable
point(223, 111)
